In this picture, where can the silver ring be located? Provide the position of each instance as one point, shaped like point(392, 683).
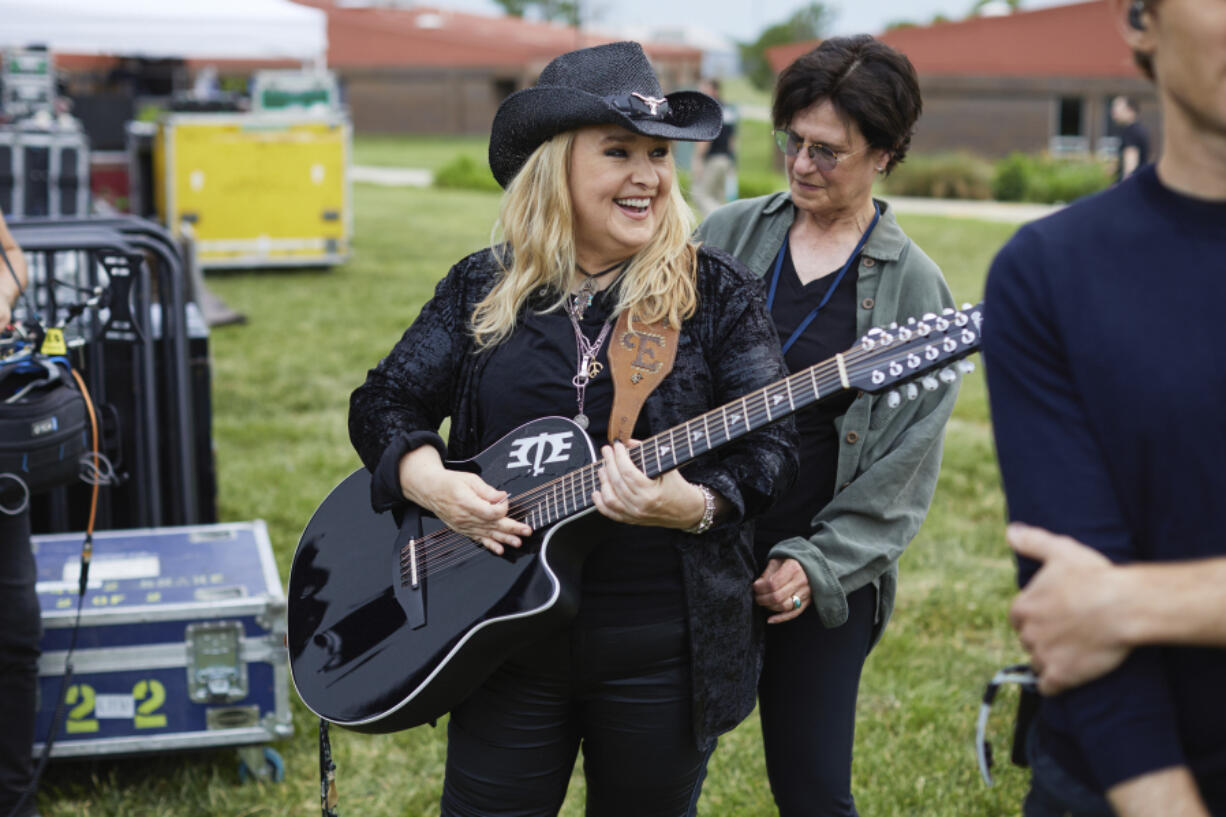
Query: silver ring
point(795, 602)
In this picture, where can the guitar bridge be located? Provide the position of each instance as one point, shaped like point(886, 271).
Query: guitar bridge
point(411, 577)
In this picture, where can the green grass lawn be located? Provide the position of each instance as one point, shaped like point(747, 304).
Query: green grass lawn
point(281, 385)
point(429, 152)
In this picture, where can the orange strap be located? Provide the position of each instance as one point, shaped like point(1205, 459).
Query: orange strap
point(640, 356)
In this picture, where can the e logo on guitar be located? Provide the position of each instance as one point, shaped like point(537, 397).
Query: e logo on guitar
point(558, 446)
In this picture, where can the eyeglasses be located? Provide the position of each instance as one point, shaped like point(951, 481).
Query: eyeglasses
point(820, 155)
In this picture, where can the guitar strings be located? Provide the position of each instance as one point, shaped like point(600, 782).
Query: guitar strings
point(434, 545)
point(437, 547)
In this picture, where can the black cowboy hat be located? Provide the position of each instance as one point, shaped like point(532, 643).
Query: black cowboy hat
point(607, 84)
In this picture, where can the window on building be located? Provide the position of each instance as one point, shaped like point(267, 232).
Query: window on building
point(1069, 132)
point(1070, 121)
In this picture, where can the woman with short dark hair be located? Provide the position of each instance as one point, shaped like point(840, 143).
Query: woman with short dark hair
point(836, 264)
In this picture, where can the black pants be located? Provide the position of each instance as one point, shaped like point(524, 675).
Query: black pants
point(623, 693)
point(807, 704)
point(20, 624)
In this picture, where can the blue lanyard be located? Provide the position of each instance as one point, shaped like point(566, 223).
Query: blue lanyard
point(770, 297)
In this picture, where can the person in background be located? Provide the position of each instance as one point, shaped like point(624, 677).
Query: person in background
point(836, 264)
point(20, 617)
point(1134, 139)
point(1106, 373)
point(713, 163)
point(663, 654)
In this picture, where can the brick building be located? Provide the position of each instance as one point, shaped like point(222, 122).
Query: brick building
point(1032, 81)
point(423, 70)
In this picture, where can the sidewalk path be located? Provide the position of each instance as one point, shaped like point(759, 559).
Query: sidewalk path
point(391, 176)
point(1009, 212)
point(1006, 211)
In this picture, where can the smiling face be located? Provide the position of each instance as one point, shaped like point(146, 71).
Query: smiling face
point(619, 185)
point(847, 188)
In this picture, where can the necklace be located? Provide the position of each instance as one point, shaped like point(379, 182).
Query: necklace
point(582, 298)
point(587, 366)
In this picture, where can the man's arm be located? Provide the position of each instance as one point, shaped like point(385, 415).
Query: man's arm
point(1081, 615)
point(1169, 792)
point(10, 288)
point(1129, 159)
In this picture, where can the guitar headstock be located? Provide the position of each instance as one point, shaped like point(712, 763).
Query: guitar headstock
point(919, 349)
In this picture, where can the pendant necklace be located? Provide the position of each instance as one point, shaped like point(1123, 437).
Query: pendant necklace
point(586, 351)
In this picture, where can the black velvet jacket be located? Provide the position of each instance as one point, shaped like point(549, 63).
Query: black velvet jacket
point(727, 349)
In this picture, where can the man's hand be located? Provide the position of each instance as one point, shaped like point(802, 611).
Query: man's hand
point(1067, 617)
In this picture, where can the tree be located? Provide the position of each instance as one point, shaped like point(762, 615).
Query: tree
point(808, 23)
point(1014, 6)
point(564, 11)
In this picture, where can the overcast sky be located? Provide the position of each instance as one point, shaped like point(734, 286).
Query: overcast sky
point(743, 20)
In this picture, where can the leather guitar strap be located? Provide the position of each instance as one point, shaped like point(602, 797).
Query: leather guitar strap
point(640, 356)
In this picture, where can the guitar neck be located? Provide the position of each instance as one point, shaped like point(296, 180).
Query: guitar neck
point(572, 493)
point(882, 358)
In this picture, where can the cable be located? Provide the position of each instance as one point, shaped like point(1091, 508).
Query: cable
point(87, 550)
point(25, 499)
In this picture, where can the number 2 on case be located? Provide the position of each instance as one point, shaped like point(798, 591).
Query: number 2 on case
point(81, 698)
point(151, 695)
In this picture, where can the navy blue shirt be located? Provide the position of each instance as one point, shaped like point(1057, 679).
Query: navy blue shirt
point(1106, 367)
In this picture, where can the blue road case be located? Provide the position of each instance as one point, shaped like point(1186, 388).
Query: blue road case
point(181, 646)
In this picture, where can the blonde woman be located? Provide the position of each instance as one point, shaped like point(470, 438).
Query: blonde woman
point(663, 653)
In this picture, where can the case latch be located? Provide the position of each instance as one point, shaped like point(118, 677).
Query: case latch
point(215, 671)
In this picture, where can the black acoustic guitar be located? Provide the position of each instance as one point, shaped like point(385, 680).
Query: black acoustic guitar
point(391, 625)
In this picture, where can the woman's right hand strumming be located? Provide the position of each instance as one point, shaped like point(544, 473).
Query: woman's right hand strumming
point(462, 501)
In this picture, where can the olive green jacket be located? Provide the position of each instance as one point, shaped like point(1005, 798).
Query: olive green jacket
point(889, 458)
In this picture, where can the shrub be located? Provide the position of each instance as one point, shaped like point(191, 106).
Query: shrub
point(941, 176)
point(753, 183)
point(1042, 179)
point(464, 172)
point(1012, 175)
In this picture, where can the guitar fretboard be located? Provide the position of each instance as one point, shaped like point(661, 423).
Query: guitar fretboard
point(882, 358)
point(572, 493)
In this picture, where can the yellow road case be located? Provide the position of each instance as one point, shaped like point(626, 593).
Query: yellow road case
point(260, 190)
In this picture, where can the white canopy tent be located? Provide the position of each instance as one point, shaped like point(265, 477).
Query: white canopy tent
point(188, 29)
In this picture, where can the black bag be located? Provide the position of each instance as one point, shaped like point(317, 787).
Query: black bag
point(43, 427)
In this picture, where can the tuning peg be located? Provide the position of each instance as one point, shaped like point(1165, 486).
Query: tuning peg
point(930, 383)
point(894, 325)
point(949, 310)
point(947, 375)
point(966, 366)
point(967, 307)
point(961, 319)
point(929, 316)
point(910, 321)
point(893, 399)
point(911, 391)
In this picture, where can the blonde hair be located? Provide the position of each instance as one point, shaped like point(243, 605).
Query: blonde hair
point(536, 220)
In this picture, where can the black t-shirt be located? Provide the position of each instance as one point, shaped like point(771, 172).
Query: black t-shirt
point(831, 332)
point(636, 579)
